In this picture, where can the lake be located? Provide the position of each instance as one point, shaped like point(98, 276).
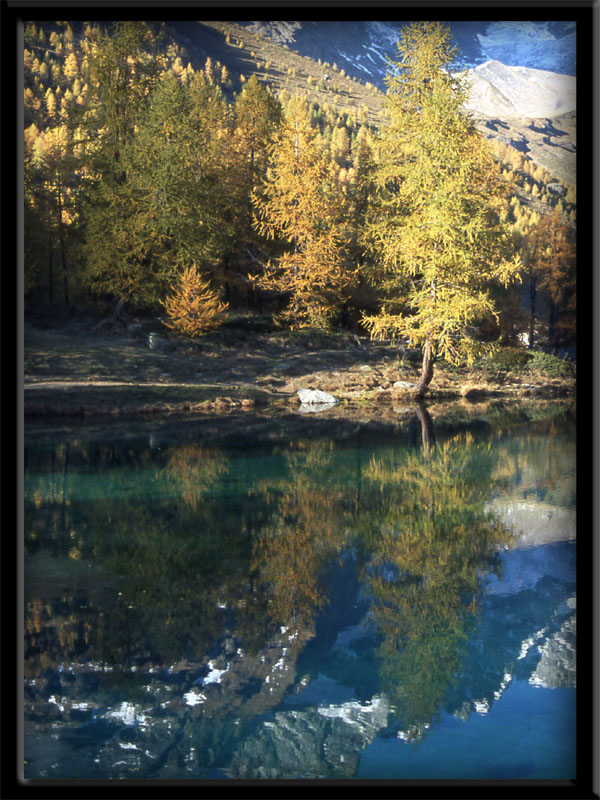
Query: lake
point(302, 597)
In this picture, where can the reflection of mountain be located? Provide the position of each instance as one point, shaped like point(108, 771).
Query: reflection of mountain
point(537, 509)
point(557, 666)
point(261, 715)
point(327, 741)
point(534, 522)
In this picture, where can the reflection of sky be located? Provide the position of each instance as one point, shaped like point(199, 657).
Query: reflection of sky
point(524, 568)
point(542, 718)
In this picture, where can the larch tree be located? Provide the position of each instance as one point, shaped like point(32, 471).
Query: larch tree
point(193, 308)
point(297, 203)
point(438, 228)
point(257, 115)
point(555, 265)
point(52, 202)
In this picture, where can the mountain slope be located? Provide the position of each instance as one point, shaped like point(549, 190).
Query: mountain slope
point(531, 110)
point(498, 90)
point(362, 48)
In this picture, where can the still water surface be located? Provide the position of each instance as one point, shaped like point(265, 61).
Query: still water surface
point(305, 601)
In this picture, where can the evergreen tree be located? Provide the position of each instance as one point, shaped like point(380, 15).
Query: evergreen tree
point(173, 204)
point(122, 69)
point(257, 115)
point(124, 65)
point(440, 198)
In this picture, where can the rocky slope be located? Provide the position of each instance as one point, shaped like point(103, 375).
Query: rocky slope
point(362, 47)
point(497, 90)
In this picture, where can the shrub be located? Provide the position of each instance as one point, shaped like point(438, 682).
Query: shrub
point(547, 364)
point(508, 359)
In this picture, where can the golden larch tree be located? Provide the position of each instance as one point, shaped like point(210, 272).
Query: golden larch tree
point(193, 308)
point(437, 226)
point(297, 204)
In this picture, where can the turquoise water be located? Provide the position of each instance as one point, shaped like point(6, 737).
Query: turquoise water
point(301, 598)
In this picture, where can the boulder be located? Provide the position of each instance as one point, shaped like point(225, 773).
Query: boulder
point(314, 408)
point(314, 396)
point(404, 385)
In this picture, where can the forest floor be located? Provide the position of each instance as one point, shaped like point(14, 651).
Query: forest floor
point(73, 370)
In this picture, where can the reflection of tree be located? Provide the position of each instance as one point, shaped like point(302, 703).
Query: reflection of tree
point(193, 470)
point(307, 530)
point(189, 564)
point(434, 541)
point(53, 634)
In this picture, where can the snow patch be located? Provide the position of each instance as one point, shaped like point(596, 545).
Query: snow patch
point(214, 676)
point(500, 90)
point(193, 698)
point(52, 699)
point(128, 714)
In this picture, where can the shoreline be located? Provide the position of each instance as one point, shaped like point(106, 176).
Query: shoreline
point(74, 372)
point(228, 398)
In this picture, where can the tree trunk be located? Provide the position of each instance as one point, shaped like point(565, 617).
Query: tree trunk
point(62, 249)
point(50, 271)
point(426, 370)
point(532, 298)
point(552, 327)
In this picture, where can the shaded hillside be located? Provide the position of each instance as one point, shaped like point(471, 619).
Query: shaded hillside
point(245, 54)
point(549, 143)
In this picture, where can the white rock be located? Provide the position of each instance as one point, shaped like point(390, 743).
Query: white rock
point(312, 396)
point(404, 385)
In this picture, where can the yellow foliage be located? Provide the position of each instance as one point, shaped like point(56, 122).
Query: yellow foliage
point(193, 308)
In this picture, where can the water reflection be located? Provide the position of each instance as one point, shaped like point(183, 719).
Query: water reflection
point(434, 540)
point(193, 608)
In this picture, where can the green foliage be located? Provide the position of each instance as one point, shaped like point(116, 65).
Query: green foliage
point(542, 363)
point(173, 203)
point(527, 362)
point(508, 359)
